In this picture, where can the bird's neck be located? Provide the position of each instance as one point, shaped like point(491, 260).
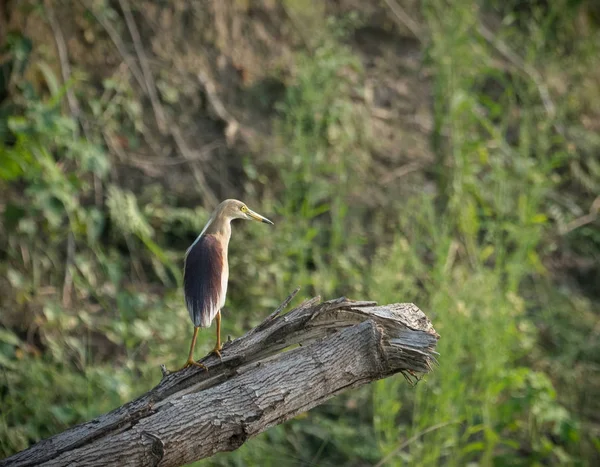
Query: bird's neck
point(222, 230)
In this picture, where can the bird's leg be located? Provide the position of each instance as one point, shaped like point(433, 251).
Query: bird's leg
point(190, 360)
point(218, 346)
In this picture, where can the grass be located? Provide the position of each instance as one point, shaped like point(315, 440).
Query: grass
point(518, 354)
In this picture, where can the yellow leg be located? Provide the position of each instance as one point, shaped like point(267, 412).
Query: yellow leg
point(190, 360)
point(218, 346)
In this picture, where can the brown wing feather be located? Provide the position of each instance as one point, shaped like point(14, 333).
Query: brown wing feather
point(202, 279)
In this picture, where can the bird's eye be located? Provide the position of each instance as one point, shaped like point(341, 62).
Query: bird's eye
point(243, 208)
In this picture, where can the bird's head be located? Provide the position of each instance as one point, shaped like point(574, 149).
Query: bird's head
point(234, 209)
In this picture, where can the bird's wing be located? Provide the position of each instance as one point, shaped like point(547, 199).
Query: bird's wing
point(202, 279)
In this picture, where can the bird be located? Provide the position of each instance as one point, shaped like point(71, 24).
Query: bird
point(206, 270)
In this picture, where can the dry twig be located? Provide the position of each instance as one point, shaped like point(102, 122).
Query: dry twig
point(525, 68)
point(159, 113)
point(404, 19)
point(192, 155)
point(583, 220)
point(116, 39)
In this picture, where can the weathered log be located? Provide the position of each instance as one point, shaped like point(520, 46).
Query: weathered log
point(285, 366)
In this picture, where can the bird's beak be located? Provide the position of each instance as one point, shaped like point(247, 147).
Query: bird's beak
point(258, 217)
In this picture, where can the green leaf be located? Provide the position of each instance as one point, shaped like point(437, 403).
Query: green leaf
point(18, 124)
point(10, 169)
point(53, 85)
point(8, 337)
point(16, 279)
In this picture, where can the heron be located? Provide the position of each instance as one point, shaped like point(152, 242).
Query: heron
point(206, 270)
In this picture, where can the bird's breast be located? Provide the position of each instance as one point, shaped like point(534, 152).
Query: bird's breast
point(224, 280)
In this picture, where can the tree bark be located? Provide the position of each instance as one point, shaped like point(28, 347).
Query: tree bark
point(286, 365)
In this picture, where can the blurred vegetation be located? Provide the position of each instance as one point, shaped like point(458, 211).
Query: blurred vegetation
point(500, 246)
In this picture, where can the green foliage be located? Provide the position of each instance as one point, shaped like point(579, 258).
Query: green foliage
point(318, 162)
point(56, 250)
point(486, 406)
point(93, 268)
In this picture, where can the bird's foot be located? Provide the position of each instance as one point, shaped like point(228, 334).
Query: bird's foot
point(190, 362)
point(217, 351)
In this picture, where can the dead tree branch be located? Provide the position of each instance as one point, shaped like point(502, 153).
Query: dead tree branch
point(159, 113)
point(116, 39)
point(287, 365)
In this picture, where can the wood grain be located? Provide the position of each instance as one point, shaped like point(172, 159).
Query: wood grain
point(286, 365)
